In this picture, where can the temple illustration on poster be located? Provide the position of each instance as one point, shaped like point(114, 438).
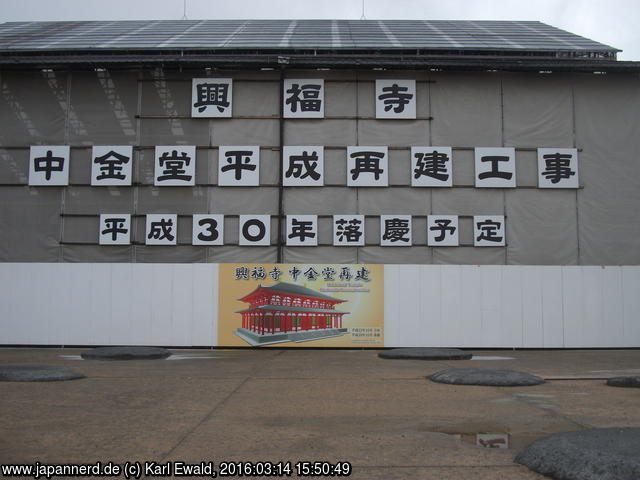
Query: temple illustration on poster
point(286, 312)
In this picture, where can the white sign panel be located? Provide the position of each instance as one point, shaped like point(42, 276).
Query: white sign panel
point(302, 230)
point(239, 166)
point(431, 167)
point(211, 97)
point(558, 168)
point(208, 229)
point(303, 98)
point(367, 167)
point(115, 229)
point(442, 231)
point(175, 166)
point(303, 166)
point(111, 165)
point(395, 230)
point(348, 230)
point(255, 230)
point(162, 229)
point(495, 167)
point(49, 165)
point(488, 231)
point(396, 99)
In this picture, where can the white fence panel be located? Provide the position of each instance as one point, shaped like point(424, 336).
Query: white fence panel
point(631, 305)
point(518, 306)
point(182, 304)
point(108, 304)
point(204, 327)
point(552, 307)
point(142, 308)
point(470, 321)
point(430, 301)
point(593, 333)
point(413, 319)
point(452, 321)
point(80, 291)
point(392, 334)
point(532, 311)
point(511, 307)
point(612, 319)
point(100, 305)
point(573, 306)
point(425, 305)
point(122, 298)
point(491, 333)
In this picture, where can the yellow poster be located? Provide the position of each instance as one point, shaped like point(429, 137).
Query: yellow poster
point(297, 305)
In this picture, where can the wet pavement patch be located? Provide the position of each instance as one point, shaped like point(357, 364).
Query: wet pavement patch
point(36, 373)
point(485, 376)
point(629, 382)
point(492, 440)
point(600, 453)
point(125, 353)
point(426, 354)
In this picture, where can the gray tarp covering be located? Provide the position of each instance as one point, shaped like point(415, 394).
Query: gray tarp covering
point(599, 114)
point(607, 126)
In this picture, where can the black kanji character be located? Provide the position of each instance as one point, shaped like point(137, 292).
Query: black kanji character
point(48, 164)
point(161, 229)
point(345, 274)
point(495, 169)
point(239, 160)
point(395, 97)
point(442, 226)
point(396, 229)
point(174, 166)
point(328, 273)
point(311, 274)
point(111, 166)
point(310, 101)
point(557, 166)
point(301, 229)
point(489, 231)
point(258, 273)
point(432, 165)
point(362, 275)
point(214, 94)
point(275, 273)
point(349, 229)
point(294, 272)
point(242, 273)
point(305, 161)
point(367, 162)
point(114, 227)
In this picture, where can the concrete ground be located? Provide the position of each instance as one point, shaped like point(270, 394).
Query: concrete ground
point(383, 416)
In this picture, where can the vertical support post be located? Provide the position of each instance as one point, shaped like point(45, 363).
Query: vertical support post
point(280, 172)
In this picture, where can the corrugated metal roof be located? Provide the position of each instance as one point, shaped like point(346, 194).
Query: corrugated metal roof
point(265, 35)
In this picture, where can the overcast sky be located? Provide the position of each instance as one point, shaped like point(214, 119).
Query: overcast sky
point(613, 22)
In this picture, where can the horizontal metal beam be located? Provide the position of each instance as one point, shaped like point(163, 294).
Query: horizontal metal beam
point(254, 61)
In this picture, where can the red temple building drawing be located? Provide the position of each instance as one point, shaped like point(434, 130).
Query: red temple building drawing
point(286, 309)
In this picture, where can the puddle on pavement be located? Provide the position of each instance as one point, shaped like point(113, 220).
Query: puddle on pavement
point(173, 357)
point(480, 357)
point(492, 440)
point(485, 440)
point(481, 434)
point(534, 395)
